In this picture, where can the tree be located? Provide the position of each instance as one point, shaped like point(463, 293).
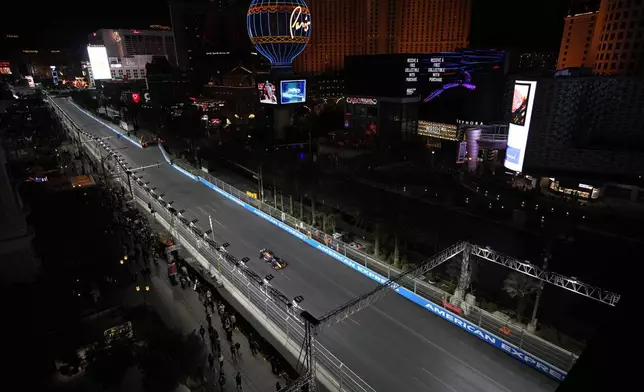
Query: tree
point(169, 358)
point(107, 365)
point(521, 287)
point(396, 251)
point(376, 241)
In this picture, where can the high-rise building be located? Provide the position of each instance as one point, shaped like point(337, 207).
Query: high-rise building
point(587, 124)
point(358, 27)
point(607, 36)
point(123, 43)
point(619, 37)
point(577, 49)
point(210, 35)
point(533, 62)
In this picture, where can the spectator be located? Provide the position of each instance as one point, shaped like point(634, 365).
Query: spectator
point(221, 361)
point(222, 309)
point(211, 331)
point(233, 321)
point(222, 381)
point(278, 386)
point(238, 379)
point(211, 360)
point(218, 344)
point(237, 347)
point(254, 347)
point(212, 306)
point(229, 334)
point(209, 319)
point(202, 332)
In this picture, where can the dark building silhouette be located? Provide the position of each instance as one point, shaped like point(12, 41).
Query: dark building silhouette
point(210, 36)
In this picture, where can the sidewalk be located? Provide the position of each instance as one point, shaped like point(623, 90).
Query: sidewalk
point(183, 309)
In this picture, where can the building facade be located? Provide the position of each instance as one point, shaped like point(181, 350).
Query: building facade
point(576, 49)
point(209, 35)
point(129, 68)
point(362, 27)
point(123, 43)
point(533, 62)
point(607, 36)
point(619, 38)
point(588, 124)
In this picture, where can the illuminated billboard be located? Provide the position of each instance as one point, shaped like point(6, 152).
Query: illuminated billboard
point(438, 130)
point(100, 64)
point(520, 99)
point(293, 91)
point(267, 93)
point(522, 104)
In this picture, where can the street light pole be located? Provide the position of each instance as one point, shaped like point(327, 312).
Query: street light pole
point(211, 230)
point(260, 179)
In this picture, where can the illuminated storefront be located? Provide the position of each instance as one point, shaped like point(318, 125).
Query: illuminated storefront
point(438, 130)
point(574, 189)
point(5, 68)
point(389, 120)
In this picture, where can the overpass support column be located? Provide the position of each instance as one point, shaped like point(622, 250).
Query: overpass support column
point(473, 136)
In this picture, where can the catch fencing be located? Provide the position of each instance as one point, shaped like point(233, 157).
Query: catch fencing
point(273, 305)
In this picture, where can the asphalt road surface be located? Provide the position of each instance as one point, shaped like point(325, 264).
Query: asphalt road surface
point(394, 344)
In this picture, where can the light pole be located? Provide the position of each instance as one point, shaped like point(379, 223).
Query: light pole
point(144, 289)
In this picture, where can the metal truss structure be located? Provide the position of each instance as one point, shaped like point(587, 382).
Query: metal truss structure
point(568, 283)
point(314, 325)
point(367, 299)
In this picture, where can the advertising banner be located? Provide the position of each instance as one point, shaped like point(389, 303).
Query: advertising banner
point(267, 93)
point(293, 91)
point(522, 104)
point(99, 62)
point(436, 309)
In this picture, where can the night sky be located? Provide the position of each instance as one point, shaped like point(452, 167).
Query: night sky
point(522, 25)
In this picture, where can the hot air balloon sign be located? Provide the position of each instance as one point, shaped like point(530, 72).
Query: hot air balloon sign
point(280, 30)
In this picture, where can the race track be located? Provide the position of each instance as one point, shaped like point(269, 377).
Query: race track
point(394, 344)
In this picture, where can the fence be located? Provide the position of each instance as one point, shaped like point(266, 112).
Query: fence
point(274, 306)
point(528, 342)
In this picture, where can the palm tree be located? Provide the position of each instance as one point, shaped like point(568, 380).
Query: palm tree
point(376, 242)
point(396, 251)
point(520, 286)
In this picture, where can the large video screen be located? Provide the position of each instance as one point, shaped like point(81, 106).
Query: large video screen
point(522, 104)
point(267, 92)
point(99, 62)
point(520, 99)
point(293, 91)
point(465, 85)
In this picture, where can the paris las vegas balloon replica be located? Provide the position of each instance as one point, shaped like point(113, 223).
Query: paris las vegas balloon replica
point(280, 30)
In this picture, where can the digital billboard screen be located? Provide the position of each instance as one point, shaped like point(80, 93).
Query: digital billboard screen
point(267, 92)
point(520, 99)
point(99, 62)
point(522, 104)
point(465, 85)
point(293, 91)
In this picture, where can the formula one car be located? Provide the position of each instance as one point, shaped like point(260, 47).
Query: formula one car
point(277, 263)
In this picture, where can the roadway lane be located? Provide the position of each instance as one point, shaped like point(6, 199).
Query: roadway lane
point(394, 345)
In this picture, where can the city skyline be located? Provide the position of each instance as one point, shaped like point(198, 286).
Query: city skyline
point(489, 25)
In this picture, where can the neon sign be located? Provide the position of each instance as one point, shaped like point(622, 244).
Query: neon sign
point(362, 101)
point(295, 21)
